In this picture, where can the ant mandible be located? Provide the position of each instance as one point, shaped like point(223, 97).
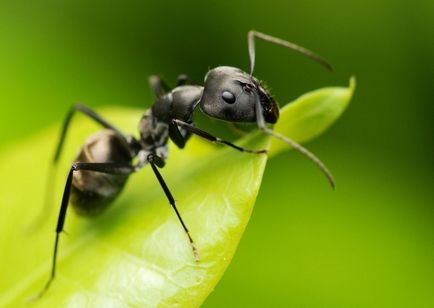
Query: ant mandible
point(104, 163)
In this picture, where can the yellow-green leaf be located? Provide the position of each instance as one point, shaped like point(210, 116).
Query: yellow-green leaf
point(136, 253)
point(311, 114)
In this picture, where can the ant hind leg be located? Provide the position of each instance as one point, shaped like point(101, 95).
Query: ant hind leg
point(51, 174)
point(110, 168)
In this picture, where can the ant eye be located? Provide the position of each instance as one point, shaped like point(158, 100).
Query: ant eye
point(228, 97)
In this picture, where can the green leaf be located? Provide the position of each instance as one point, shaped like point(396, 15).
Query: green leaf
point(311, 114)
point(136, 253)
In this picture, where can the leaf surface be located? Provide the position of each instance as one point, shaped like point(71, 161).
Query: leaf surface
point(136, 253)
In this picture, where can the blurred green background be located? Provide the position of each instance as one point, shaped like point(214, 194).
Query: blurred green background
point(370, 243)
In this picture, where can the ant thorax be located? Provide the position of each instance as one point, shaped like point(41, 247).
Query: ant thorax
point(154, 135)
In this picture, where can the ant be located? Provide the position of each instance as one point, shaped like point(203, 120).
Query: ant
point(105, 161)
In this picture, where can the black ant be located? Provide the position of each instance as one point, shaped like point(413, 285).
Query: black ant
point(105, 161)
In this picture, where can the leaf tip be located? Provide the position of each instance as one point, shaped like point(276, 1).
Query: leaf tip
point(353, 83)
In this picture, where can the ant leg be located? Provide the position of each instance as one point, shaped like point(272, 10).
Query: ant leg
point(252, 34)
point(158, 86)
point(51, 170)
point(155, 161)
point(194, 130)
point(183, 80)
point(91, 114)
point(111, 168)
point(178, 137)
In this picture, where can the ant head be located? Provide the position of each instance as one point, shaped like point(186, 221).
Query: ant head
point(230, 94)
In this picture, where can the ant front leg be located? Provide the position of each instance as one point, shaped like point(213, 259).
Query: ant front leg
point(156, 161)
point(178, 136)
point(110, 168)
point(197, 131)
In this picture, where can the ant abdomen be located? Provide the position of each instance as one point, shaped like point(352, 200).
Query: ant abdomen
point(92, 192)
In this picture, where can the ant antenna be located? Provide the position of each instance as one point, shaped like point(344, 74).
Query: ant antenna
point(296, 146)
point(271, 39)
